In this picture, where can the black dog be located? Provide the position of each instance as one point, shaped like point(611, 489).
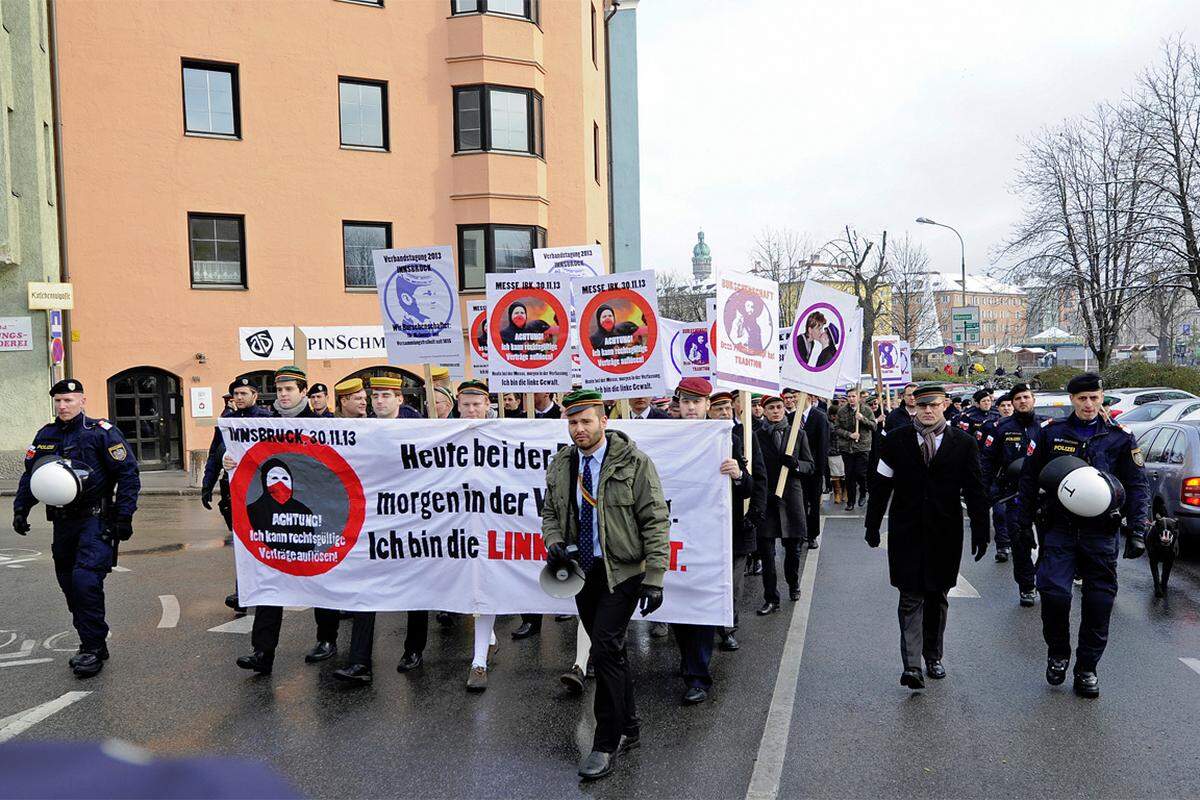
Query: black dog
point(1162, 546)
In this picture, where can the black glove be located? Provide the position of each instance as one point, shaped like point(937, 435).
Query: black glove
point(20, 523)
point(979, 544)
point(1135, 544)
point(118, 530)
point(206, 497)
point(872, 537)
point(790, 462)
point(556, 554)
point(650, 599)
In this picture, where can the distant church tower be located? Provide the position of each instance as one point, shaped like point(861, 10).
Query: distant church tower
point(701, 259)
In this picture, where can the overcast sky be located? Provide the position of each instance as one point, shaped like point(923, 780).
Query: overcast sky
point(813, 115)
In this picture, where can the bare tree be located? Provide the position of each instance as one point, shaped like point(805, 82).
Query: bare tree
point(1086, 224)
point(783, 255)
point(1161, 312)
point(680, 298)
point(863, 270)
point(913, 313)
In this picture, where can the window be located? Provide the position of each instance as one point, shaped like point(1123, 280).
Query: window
point(217, 249)
point(497, 118)
point(362, 109)
point(495, 248)
point(210, 99)
point(596, 151)
point(595, 63)
point(358, 240)
point(527, 9)
point(1160, 445)
point(1176, 449)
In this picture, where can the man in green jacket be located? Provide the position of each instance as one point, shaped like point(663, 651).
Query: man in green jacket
point(603, 495)
point(854, 427)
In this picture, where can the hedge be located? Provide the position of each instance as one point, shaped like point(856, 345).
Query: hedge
point(1125, 374)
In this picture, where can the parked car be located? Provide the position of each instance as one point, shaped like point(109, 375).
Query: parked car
point(1147, 415)
point(1124, 400)
point(1172, 454)
point(1055, 405)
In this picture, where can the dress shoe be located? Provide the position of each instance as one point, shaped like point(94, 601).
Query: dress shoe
point(321, 651)
point(694, 696)
point(445, 618)
point(477, 680)
point(862, 501)
point(409, 662)
point(757, 568)
point(793, 594)
point(629, 741)
point(354, 673)
point(728, 643)
point(1087, 684)
point(260, 662)
point(849, 506)
point(524, 631)
point(912, 678)
point(813, 544)
point(89, 663)
point(659, 629)
point(934, 669)
point(767, 608)
point(1028, 599)
point(101, 651)
point(573, 680)
point(1056, 670)
point(234, 604)
point(596, 765)
point(563, 617)
point(1002, 555)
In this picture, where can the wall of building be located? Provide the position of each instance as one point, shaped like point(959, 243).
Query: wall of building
point(28, 220)
point(1001, 316)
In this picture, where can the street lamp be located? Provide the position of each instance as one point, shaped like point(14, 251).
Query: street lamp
point(963, 251)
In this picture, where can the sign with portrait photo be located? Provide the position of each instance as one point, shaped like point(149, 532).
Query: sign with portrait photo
point(528, 332)
point(685, 351)
point(820, 340)
point(747, 343)
point(619, 334)
point(418, 297)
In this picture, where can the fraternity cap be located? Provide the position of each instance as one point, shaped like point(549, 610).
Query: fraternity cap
point(387, 382)
point(756, 399)
point(771, 398)
point(440, 373)
point(226, 396)
point(1018, 388)
point(720, 398)
point(348, 387)
point(1087, 382)
point(318, 388)
point(472, 387)
point(697, 387)
point(930, 395)
point(66, 386)
point(982, 393)
point(789, 390)
point(583, 398)
point(242, 383)
point(444, 392)
point(290, 374)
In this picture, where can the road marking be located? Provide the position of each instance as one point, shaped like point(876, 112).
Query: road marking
point(23, 663)
point(26, 648)
point(239, 625)
point(772, 749)
point(121, 569)
point(1192, 663)
point(963, 588)
point(170, 611)
point(24, 720)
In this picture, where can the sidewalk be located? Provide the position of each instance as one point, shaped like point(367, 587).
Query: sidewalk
point(157, 482)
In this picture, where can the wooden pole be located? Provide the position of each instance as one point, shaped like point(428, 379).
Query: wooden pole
point(529, 414)
point(747, 439)
point(299, 349)
point(430, 405)
point(793, 435)
point(622, 409)
point(500, 405)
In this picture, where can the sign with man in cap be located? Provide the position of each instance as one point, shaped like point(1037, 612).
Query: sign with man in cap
point(747, 332)
point(418, 296)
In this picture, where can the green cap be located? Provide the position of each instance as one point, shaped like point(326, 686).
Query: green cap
point(473, 387)
point(580, 399)
point(290, 374)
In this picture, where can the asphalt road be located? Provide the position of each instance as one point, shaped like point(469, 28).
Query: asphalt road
point(837, 724)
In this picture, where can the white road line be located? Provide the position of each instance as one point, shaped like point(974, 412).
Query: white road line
point(121, 569)
point(239, 625)
point(26, 648)
point(1192, 663)
point(23, 663)
point(963, 588)
point(170, 611)
point(23, 721)
point(772, 750)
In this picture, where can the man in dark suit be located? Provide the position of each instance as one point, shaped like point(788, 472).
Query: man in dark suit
point(927, 467)
point(816, 428)
point(902, 414)
point(643, 408)
point(544, 406)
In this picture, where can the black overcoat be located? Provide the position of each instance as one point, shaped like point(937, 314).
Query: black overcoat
point(785, 517)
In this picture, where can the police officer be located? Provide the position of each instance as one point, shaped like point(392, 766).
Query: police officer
point(245, 404)
point(86, 530)
point(974, 418)
point(1003, 409)
point(1004, 444)
point(318, 400)
point(1087, 545)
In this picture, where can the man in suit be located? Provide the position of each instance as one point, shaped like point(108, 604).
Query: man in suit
point(902, 414)
point(924, 470)
point(643, 408)
point(544, 406)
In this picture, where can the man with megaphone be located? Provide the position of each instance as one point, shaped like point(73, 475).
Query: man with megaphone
point(1093, 483)
point(603, 496)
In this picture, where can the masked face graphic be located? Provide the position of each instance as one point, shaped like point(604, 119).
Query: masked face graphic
point(607, 320)
point(518, 315)
point(279, 484)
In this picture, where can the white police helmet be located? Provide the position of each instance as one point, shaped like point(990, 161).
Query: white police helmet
point(1088, 492)
point(54, 481)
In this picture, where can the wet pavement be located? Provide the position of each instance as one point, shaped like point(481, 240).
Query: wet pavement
point(993, 728)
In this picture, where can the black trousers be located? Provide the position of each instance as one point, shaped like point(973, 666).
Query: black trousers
point(264, 636)
point(362, 637)
point(417, 635)
point(695, 652)
point(813, 486)
point(856, 475)
point(922, 626)
point(605, 616)
point(791, 566)
point(533, 619)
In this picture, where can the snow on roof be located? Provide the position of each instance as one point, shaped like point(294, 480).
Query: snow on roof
point(1053, 333)
point(984, 284)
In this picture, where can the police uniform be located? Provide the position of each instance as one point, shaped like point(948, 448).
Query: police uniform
point(1087, 546)
point(1003, 444)
point(86, 531)
point(320, 388)
point(974, 418)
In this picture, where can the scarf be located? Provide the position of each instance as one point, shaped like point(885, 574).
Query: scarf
point(928, 435)
point(779, 434)
point(290, 412)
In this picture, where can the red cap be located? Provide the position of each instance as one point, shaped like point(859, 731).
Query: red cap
point(698, 387)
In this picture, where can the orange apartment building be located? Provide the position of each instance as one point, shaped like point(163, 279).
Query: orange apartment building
point(229, 166)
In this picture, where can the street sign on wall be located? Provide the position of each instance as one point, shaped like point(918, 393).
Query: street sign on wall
point(964, 325)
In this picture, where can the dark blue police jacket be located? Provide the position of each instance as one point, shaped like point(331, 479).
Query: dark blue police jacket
point(1003, 443)
point(97, 444)
point(216, 450)
point(1112, 449)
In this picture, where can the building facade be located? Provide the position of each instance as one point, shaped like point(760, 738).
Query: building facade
point(230, 165)
point(1002, 307)
point(29, 248)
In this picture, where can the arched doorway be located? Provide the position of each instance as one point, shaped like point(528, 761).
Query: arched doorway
point(146, 406)
point(414, 385)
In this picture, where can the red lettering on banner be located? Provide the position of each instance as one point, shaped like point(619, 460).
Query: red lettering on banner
point(674, 564)
point(493, 553)
point(523, 546)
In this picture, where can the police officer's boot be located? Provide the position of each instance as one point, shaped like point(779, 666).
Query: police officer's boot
point(1087, 684)
point(258, 661)
point(1056, 670)
point(89, 661)
point(102, 651)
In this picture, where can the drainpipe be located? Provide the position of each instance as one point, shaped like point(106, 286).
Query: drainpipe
point(612, 255)
point(60, 185)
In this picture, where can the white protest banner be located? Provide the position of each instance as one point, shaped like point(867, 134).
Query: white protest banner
point(574, 261)
point(477, 338)
point(394, 515)
point(886, 352)
point(822, 340)
point(852, 367)
point(905, 362)
point(528, 332)
point(686, 353)
point(418, 297)
point(747, 321)
point(619, 334)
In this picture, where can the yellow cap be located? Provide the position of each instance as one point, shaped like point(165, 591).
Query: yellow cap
point(348, 387)
point(440, 373)
point(386, 382)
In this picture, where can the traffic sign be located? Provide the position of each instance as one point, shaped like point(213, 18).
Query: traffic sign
point(964, 325)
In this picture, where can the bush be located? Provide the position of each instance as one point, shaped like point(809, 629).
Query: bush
point(1055, 379)
point(929, 375)
point(1126, 374)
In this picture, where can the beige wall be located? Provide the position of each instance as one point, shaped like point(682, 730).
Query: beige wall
point(132, 175)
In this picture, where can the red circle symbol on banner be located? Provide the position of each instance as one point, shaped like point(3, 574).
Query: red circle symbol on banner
point(618, 331)
point(528, 328)
point(478, 335)
point(283, 527)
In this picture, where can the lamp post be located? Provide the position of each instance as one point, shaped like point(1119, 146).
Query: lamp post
point(963, 251)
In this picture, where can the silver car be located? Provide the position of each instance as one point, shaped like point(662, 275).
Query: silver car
point(1141, 418)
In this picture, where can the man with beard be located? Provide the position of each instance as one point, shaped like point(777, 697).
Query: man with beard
point(785, 516)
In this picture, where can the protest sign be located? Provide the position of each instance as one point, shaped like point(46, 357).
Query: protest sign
point(686, 353)
point(418, 296)
point(477, 338)
point(710, 318)
point(393, 515)
point(747, 319)
point(852, 366)
point(527, 332)
point(821, 339)
point(573, 261)
point(887, 356)
point(905, 362)
point(619, 336)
